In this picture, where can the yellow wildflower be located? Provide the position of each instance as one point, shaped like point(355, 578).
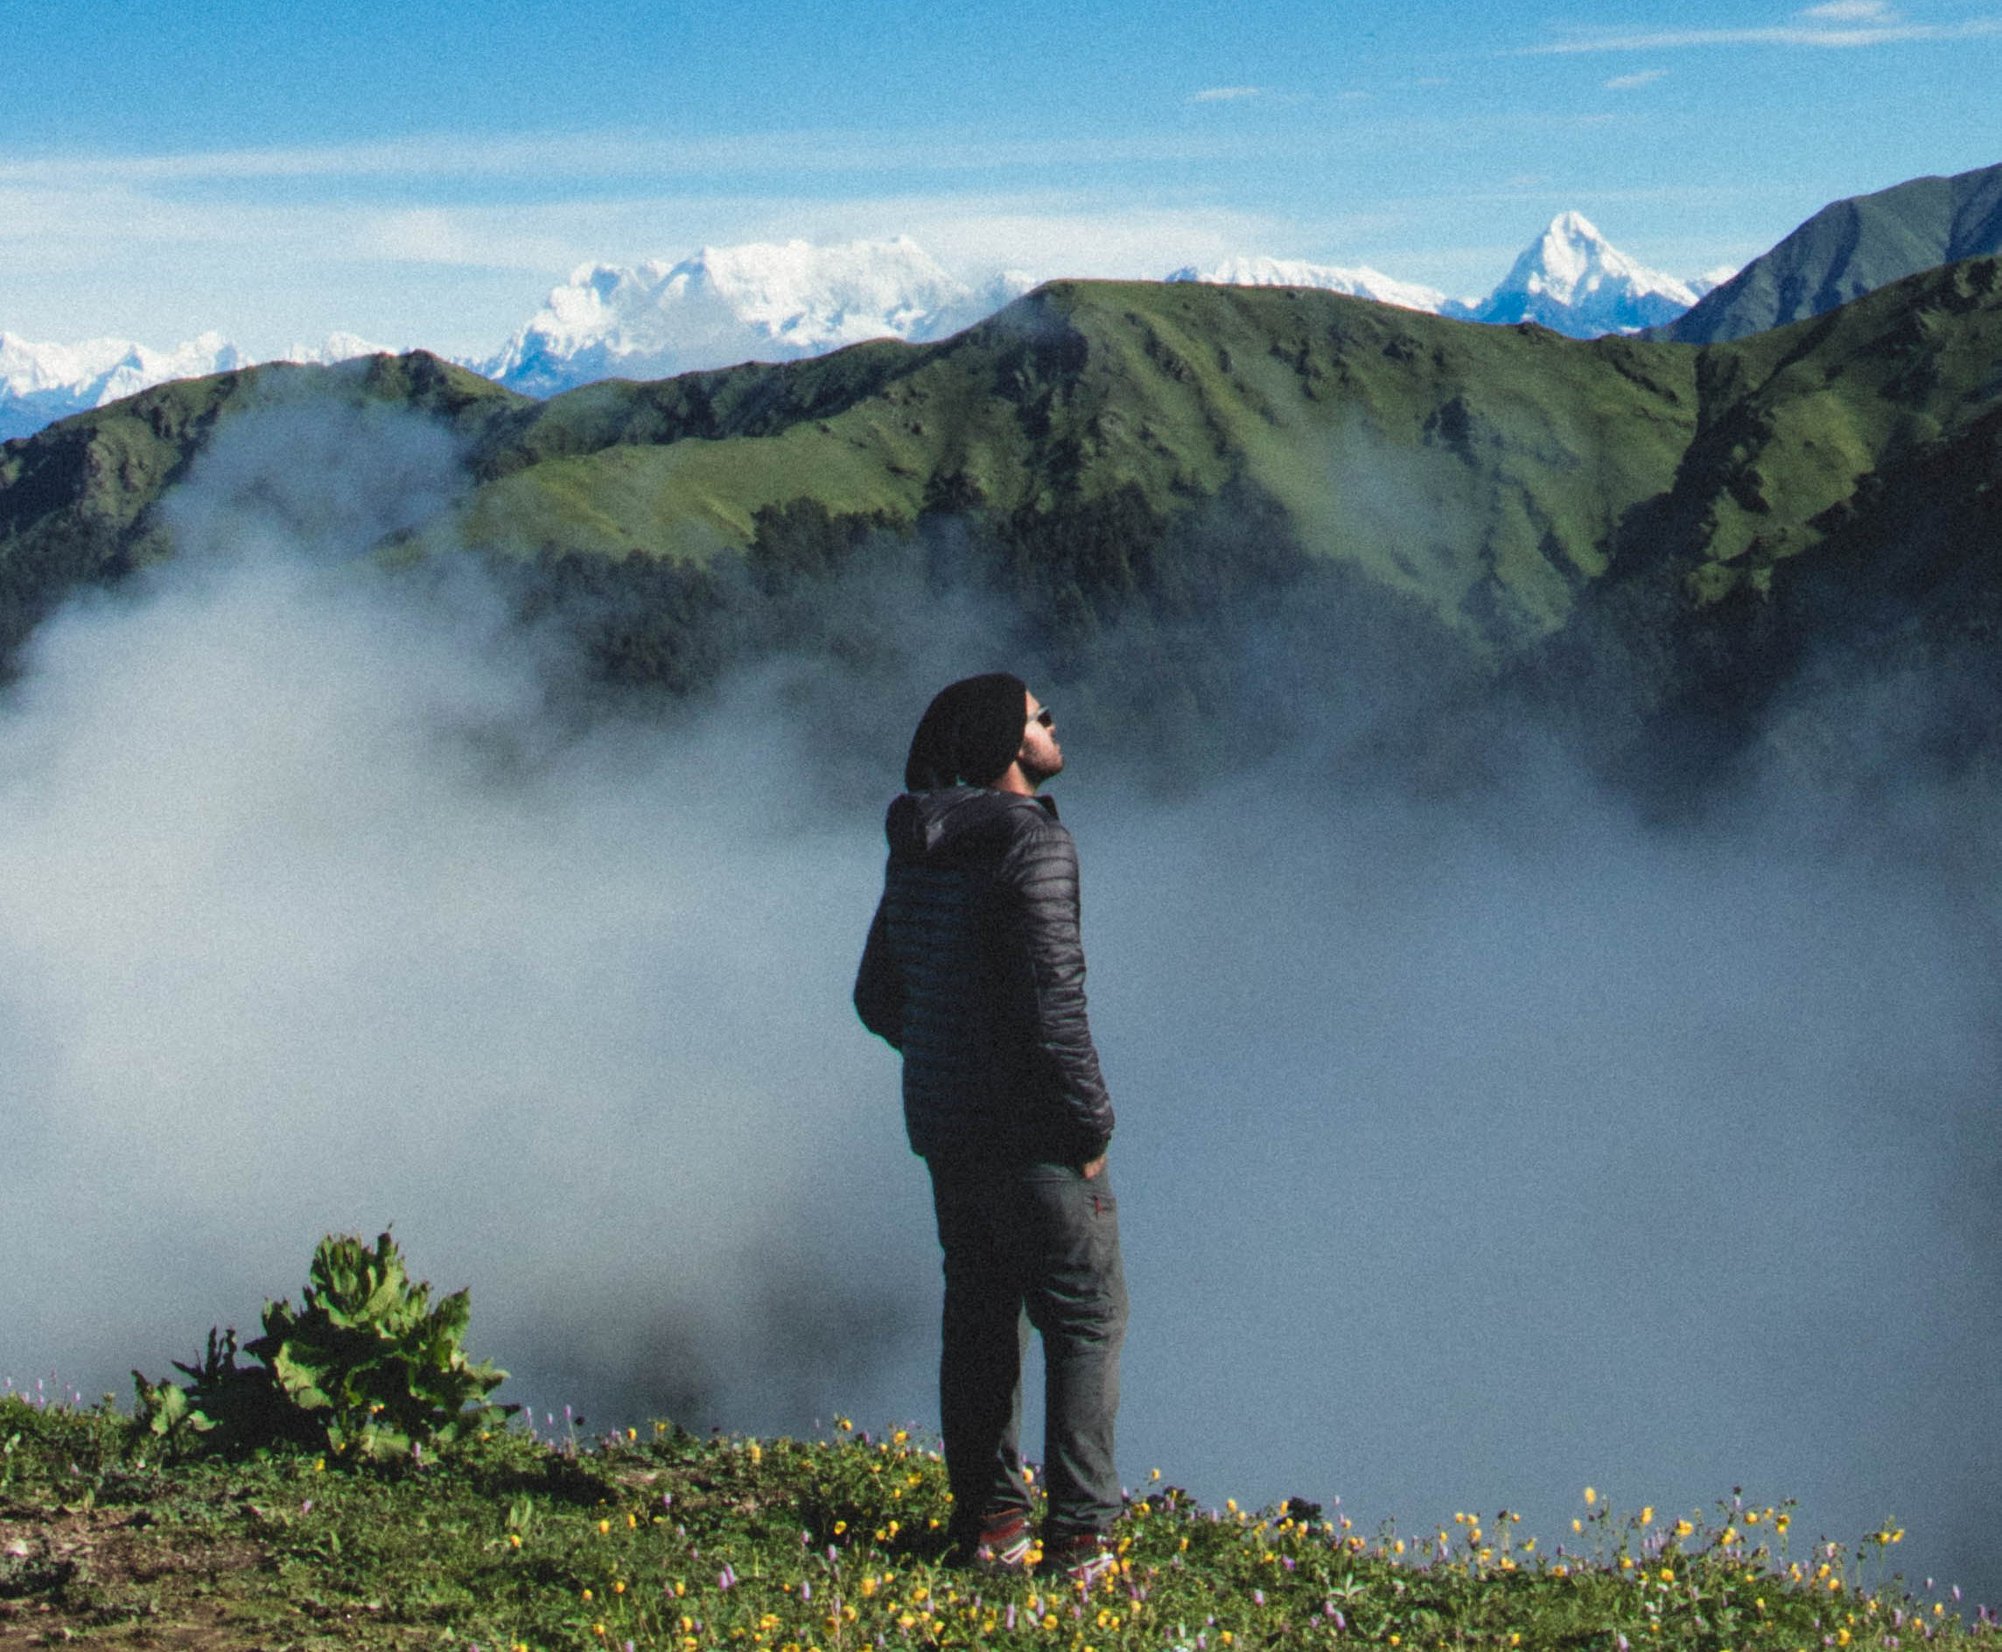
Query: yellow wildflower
point(1591, 1497)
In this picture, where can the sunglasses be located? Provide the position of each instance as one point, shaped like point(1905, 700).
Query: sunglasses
point(1046, 717)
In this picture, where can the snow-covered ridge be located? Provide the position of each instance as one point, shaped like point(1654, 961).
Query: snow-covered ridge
point(1360, 282)
point(40, 383)
point(758, 302)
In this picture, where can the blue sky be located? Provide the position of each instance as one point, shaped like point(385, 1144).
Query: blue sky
point(423, 172)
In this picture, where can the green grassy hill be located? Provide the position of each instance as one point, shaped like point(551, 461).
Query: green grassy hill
point(1478, 470)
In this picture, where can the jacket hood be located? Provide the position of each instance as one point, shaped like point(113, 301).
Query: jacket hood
point(921, 825)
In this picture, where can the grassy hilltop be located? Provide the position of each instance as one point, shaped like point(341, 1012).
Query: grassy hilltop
point(656, 1539)
point(356, 1486)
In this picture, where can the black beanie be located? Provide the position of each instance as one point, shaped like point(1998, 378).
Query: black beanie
point(971, 731)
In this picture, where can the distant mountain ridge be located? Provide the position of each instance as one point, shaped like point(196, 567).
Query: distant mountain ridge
point(1650, 535)
point(784, 301)
point(1849, 248)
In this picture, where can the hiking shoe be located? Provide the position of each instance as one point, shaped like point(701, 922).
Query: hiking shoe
point(1004, 1545)
point(1085, 1558)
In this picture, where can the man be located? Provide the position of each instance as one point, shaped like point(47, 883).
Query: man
point(974, 970)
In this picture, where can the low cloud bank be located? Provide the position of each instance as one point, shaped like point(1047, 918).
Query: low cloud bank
point(1478, 1142)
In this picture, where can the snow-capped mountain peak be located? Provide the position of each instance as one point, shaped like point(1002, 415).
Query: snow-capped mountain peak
point(1573, 280)
point(759, 301)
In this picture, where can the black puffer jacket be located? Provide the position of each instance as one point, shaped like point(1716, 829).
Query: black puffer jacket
point(975, 971)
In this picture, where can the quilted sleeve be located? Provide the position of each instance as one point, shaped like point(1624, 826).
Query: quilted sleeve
point(1041, 870)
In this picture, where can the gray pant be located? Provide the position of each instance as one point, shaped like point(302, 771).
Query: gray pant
point(1025, 1245)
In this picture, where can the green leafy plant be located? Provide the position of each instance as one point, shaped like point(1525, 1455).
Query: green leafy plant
point(225, 1406)
point(366, 1366)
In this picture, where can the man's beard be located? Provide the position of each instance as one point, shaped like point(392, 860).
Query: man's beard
point(1036, 770)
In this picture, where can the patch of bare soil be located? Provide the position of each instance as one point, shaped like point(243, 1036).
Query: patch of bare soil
point(111, 1577)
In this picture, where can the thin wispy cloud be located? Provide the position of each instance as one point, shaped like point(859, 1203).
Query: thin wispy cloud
point(1836, 24)
point(571, 157)
point(1628, 83)
point(1227, 94)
